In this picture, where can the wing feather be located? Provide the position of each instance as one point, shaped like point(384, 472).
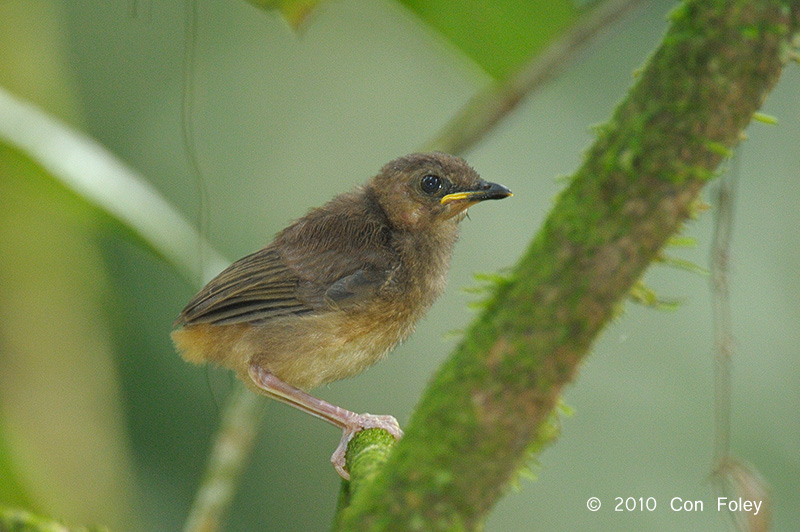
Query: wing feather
point(328, 260)
point(255, 288)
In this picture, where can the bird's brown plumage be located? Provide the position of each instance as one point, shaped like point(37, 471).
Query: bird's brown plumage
point(339, 288)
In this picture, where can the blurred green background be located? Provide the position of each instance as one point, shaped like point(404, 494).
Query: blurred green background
point(101, 422)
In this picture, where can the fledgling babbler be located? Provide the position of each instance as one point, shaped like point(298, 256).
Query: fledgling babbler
point(337, 289)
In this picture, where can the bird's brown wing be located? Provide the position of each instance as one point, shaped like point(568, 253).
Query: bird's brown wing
point(255, 288)
point(297, 274)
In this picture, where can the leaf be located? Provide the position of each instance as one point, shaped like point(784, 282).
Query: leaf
point(498, 35)
point(765, 118)
point(62, 419)
point(84, 167)
point(644, 295)
point(22, 521)
point(295, 12)
point(11, 489)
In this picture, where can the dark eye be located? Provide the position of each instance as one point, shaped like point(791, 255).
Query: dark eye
point(431, 184)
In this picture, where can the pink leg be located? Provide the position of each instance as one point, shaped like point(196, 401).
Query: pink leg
point(348, 421)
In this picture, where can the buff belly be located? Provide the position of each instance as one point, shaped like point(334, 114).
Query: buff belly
point(303, 351)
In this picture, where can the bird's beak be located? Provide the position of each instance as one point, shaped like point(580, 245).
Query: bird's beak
point(484, 191)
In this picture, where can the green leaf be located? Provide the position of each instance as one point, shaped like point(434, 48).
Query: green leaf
point(21, 521)
point(58, 440)
point(11, 488)
point(765, 118)
point(499, 35)
point(683, 264)
point(644, 295)
point(96, 176)
point(677, 241)
point(294, 11)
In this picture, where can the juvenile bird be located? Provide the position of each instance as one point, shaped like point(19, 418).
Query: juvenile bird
point(337, 289)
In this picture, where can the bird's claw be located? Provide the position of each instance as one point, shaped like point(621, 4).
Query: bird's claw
point(356, 424)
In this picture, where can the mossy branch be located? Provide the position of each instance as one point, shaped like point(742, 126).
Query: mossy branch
point(365, 457)
point(490, 402)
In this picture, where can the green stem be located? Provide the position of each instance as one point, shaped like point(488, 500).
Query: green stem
point(232, 445)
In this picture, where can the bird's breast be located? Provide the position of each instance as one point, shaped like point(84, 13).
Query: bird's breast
point(424, 264)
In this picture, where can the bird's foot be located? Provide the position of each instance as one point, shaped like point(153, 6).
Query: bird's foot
point(354, 424)
point(350, 422)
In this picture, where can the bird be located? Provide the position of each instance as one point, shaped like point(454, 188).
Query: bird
point(337, 289)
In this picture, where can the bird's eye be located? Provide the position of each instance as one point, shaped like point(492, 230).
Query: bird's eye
point(431, 184)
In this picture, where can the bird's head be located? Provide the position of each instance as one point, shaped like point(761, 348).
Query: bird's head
point(422, 190)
